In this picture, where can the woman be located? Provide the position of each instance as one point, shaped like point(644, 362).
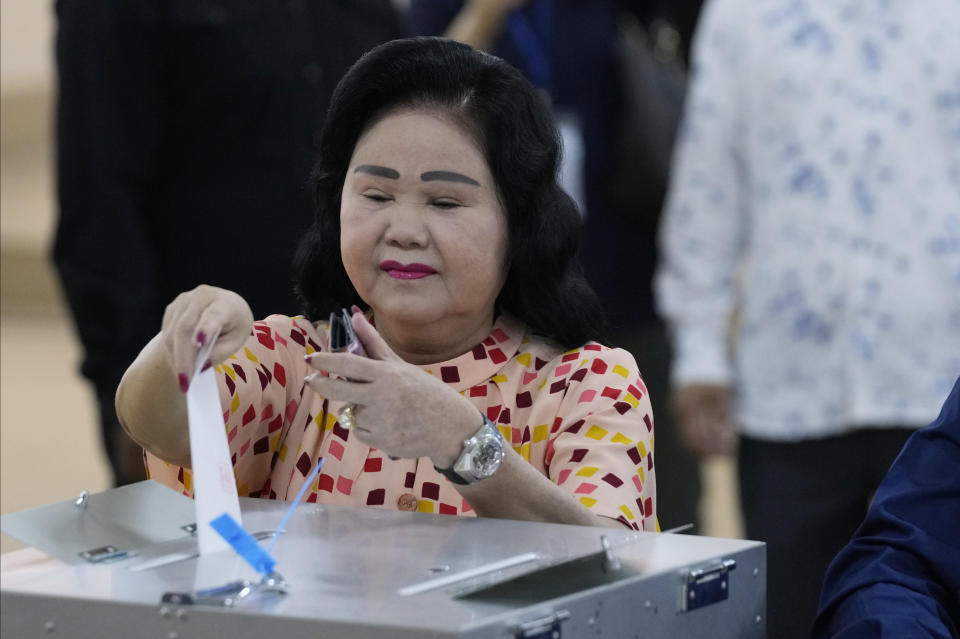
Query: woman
point(438, 208)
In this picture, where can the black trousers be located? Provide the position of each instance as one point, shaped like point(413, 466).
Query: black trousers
point(805, 499)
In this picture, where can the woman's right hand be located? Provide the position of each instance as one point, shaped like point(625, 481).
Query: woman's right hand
point(197, 316)
point(150, 399)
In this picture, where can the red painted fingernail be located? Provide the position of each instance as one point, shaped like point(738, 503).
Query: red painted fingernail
point(201, 338)
point(184, 382)
point(207, 364)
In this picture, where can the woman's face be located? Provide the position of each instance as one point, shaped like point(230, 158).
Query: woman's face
point(423, 235)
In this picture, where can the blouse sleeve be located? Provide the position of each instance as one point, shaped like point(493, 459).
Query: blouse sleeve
point(601, 446)
point(261, 387)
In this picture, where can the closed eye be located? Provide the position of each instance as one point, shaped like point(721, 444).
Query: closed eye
point(376, 197)
point(445, 204)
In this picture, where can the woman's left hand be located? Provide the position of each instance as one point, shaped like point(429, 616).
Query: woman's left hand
point(399, 408)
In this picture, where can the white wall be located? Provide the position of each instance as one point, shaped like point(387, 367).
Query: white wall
point(49, 447)
point(26, 46)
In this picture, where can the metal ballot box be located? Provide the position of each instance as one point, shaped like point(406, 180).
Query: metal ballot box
point(124, 563)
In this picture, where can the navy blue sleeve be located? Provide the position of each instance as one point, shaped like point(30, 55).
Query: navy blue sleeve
point(900, 574)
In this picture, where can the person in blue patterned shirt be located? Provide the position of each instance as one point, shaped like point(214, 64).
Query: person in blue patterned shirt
point(810, 266)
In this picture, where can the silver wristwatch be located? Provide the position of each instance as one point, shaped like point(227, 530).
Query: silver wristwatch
point(481, 457)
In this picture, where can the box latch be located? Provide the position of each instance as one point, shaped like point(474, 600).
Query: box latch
point(104, 554)
point(547, 627)
point(705, 586)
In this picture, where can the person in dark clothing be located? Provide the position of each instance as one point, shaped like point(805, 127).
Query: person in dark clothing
point(569, 48)
point(182, 128)
point(900, 574)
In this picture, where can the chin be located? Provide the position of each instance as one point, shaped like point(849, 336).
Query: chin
point(409, 311)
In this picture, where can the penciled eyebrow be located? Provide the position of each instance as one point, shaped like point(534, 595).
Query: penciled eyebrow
point(379, 171)
point(447, 176)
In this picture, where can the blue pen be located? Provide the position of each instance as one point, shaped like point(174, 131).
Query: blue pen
point(294, 504)
point(246, 545)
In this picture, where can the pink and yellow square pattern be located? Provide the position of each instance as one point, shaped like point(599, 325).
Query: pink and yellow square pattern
point(581, 417)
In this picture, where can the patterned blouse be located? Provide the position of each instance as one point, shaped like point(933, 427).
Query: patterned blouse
point(581, 417)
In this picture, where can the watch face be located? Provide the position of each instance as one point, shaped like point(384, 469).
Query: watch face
point(482, 455)
point(489, 457)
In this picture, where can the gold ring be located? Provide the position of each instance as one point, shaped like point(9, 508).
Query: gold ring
point(347, 418)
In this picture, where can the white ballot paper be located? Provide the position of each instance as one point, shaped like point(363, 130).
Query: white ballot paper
point(214, 488)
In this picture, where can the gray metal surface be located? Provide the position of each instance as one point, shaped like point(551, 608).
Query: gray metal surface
point(128, 518)
point(357, 572)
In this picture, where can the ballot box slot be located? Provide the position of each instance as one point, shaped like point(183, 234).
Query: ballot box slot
point(178, 553)
point(554, 581)
point(575, 575)
point(467, 575)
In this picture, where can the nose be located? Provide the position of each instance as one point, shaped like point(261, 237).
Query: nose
point(407, 228)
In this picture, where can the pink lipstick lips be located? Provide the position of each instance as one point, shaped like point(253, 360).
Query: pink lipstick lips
point(413, 271)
